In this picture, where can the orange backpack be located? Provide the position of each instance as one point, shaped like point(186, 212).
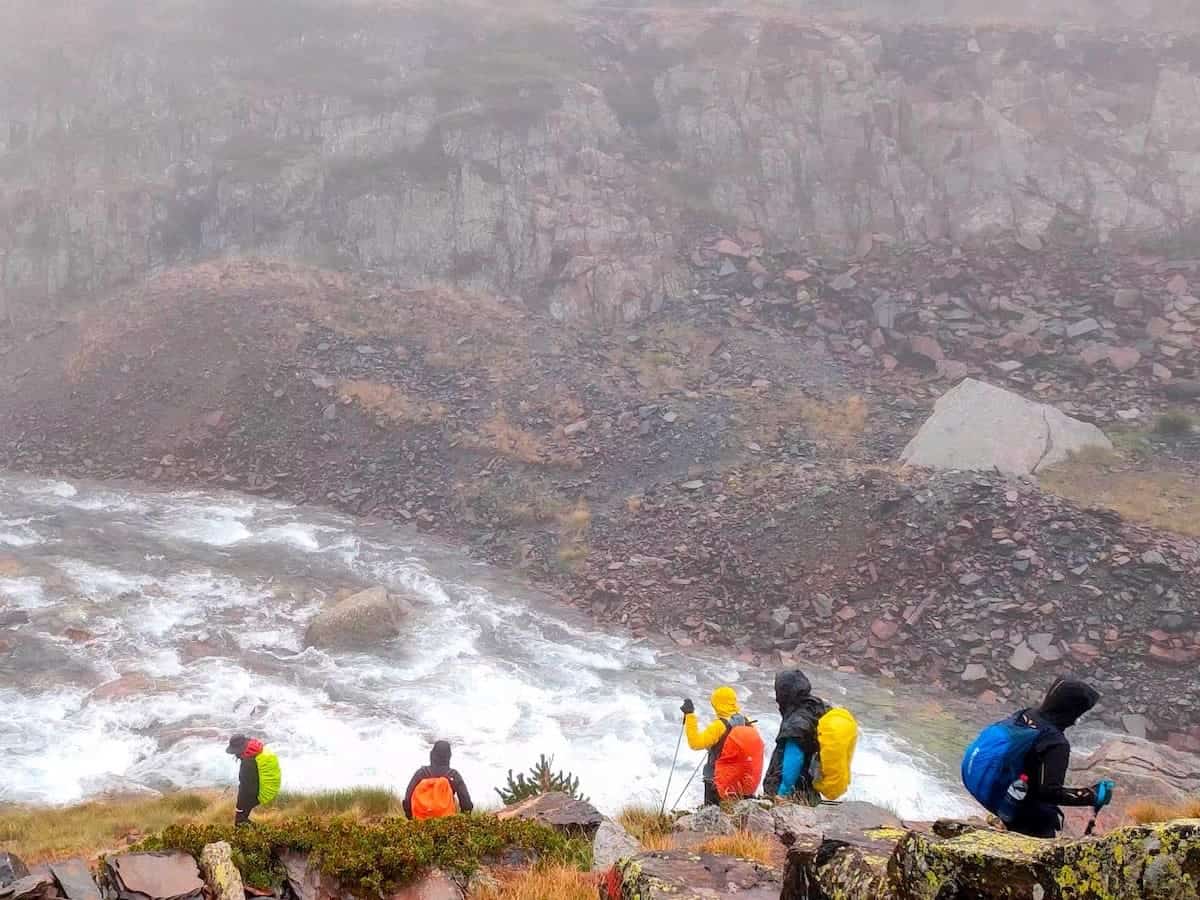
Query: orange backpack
point(433, 798)
point(739, 768)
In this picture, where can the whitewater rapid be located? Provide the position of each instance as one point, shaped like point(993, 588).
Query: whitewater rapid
point(138, 630)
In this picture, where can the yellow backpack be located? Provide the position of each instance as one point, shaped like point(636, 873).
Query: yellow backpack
point(270, 778)
point(837, 733)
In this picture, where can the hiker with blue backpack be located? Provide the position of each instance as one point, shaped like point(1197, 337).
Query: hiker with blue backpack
point(1017, 767)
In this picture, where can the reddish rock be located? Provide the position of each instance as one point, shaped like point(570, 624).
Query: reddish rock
point(927, 347)
point(727, 247)
point(1177, 286)
point(1157, 328)
point(797, 276)
point(884, 629)
point(1093, 355)
point(1124, 358)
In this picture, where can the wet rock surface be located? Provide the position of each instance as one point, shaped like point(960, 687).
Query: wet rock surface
point(558, 810)
point(153, 876)
point(360, 620)
point(689, 876)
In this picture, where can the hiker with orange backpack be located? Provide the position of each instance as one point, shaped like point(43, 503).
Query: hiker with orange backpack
point(436, 790)
point(735, 749)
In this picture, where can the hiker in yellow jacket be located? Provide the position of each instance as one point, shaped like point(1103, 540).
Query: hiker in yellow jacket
point(735, 751)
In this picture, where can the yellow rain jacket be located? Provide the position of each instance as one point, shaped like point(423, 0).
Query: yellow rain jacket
point(725, 705)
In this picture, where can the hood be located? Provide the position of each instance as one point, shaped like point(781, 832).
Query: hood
point(1066, 701)
point(792, 688)
point(243, 747)
point(440, 754)
point(724, 702)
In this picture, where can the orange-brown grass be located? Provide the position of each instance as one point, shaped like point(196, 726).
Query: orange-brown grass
point(1164, 499)
point(760, 848)
point(540, 883)
point(390, 404)
point(501, 436)
point(1146, 812)
point(651, 829)
point(572, 534)
point(837, 423)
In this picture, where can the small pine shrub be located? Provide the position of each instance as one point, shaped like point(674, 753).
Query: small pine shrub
point(542, 779)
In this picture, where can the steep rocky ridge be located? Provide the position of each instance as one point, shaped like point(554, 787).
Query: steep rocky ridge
point(559, 155)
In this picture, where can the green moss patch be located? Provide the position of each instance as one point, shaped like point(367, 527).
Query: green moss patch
point(371, 858)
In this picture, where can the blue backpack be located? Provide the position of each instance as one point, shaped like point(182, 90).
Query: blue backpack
point(996, 758)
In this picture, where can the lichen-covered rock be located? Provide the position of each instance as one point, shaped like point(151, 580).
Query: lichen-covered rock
point(707, 820)
point(1158, 862)
point(845, 867)
point(220, 874)
point(842, 819)
point(753, 816)
point(681, 875)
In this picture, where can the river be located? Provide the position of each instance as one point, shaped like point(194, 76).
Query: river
point(139, 629)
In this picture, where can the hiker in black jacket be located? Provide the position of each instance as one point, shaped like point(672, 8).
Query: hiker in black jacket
point(437, 790)
point(1046, 764)
point(789, 773)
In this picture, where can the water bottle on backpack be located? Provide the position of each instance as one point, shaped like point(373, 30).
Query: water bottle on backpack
point(1010, 803)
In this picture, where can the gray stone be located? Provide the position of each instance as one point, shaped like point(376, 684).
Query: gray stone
point(887, 310)
point(979, 426)
point(793, 820)
point(558, 810)
point(12, 868)
point(707, 820)
point(612, 842)
point(753, 816)
point(75, 880)
point(1029, 241)
point(1127, 298)
point(1136, 725)
point(361, 620)
point(822, 606)
point(1082, 327)
point(37, 886)
point(694, 485)
point(974, 672)
point(1023, 658)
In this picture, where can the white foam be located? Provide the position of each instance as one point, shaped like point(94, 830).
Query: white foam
point(24, 592)
point(503, 680)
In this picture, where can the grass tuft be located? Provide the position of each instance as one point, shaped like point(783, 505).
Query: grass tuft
point(760, 848)
point(1174, 423)
point(652, 830)
point(555, 882)
point(1148, 812)
point(368, 802)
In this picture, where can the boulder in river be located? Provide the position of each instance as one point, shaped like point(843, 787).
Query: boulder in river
point(979, 426)
point(360, 620)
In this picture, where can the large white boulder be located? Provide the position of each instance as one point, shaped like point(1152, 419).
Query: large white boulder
point(360, 620)
point(979, 426)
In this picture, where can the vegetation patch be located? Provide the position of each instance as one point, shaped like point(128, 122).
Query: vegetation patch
point(759, 848)
point(1164, 499)
point(560, 882)
point(1149, 812)
point(500, 435)
point(371, 858)
point(652, 829)
point(390, 404)
point(1174, 423)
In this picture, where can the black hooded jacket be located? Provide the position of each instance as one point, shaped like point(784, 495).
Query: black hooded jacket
point(800, 712)
point(439, 767)
point(1046, 765)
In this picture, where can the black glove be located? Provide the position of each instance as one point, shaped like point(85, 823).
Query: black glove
point(688, 707)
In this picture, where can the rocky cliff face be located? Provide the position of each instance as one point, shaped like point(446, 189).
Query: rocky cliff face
point(560, 158)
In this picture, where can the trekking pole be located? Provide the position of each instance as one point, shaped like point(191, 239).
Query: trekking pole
point(671, 774)
point(1091, 825)
point(688, 785)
